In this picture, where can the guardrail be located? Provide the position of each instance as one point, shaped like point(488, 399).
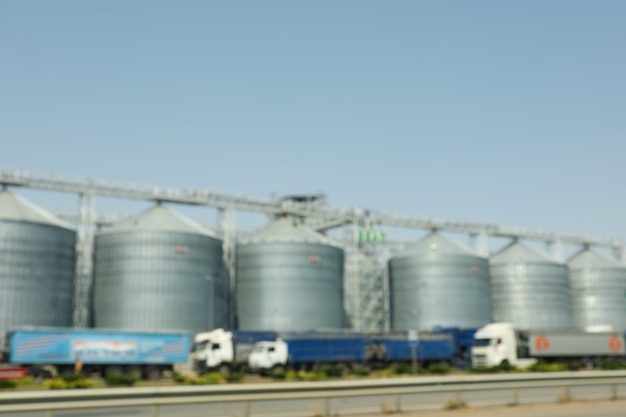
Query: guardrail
point(394, 394)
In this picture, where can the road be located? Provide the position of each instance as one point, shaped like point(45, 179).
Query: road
point(571, 409)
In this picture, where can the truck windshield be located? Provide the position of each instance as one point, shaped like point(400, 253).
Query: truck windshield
point(201, 346)
point(482, 342)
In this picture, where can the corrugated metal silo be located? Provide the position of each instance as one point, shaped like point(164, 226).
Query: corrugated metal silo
point(37, 266)
point(439, 283)
point(530, 290)
point(598, 287)
point(289, 278)
point(159, 272)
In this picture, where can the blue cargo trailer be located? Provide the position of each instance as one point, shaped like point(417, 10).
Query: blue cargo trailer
point(306, 351)
point(431, 347)
point(109, 352)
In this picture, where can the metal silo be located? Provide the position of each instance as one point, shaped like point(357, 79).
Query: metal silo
point(37, 266)
point(158, 272)
point(530, 290)
point(439, 283)
point(598, 287)
point(289, 278)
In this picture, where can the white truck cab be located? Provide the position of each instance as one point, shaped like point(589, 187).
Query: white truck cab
point(213, 350)
point(499, 343)
point(268, 356)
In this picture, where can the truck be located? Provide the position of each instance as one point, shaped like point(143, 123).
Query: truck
point(310, 350)
point(225, 351)
point(307, 351)
point(502, 344)
point(54, 351)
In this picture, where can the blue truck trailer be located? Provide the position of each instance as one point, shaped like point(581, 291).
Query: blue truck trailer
point(53, 351)
point(304, 351)
point(429, 347)
point(307, 350)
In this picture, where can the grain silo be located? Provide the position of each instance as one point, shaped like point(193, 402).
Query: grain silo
point(159, 272)
point(530, 290)
point(439, 283)
point(598, 287)
point(37, 266)
point(289, 278)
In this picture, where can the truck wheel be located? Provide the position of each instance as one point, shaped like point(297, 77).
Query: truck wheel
point(277, 369)
point(153, 373)
point(134, 370)
point(113, 370)
point(223, 369)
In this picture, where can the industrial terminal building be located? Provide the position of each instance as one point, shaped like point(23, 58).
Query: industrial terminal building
point(161, 271)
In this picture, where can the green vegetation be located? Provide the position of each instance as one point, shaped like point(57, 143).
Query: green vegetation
point(69, 381)
point(206, 379)
point(278, 374)
point(440, 368)
point(123, 380)
point(235, 377)
point(548, 367)
point(8, 383)
point(332, 370)
point(612, 365)
point(400, 368)
point(361, 371)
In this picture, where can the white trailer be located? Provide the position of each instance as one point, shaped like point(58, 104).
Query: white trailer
point(501, 343)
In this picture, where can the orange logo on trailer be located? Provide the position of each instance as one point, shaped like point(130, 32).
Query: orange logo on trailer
point(615, 344)
point(542, 343)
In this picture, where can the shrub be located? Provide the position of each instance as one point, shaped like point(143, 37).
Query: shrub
point(384, 373)
point(235, 377)
point(361, 371)
point(612, 364)
point(73, 376)
point(400, 368)
point(332, 370)
point(213, 378)
point(547, 367)
point(126, 380)
point(8, 383)
point(278, 374)
point(55, 383)
point(180, 378)
point(440, 368)
point(573, 366)
point(80, 384)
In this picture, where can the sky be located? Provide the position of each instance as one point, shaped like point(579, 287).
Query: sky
point(495, 111)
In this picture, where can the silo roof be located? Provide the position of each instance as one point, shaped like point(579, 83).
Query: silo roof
point(436, 243)
point(283, 230)
point(15, 208)
point(161, 218)
point(518, 252)
point(587, 258)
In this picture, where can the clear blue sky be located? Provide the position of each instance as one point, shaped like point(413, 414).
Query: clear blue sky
point(500, 111)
